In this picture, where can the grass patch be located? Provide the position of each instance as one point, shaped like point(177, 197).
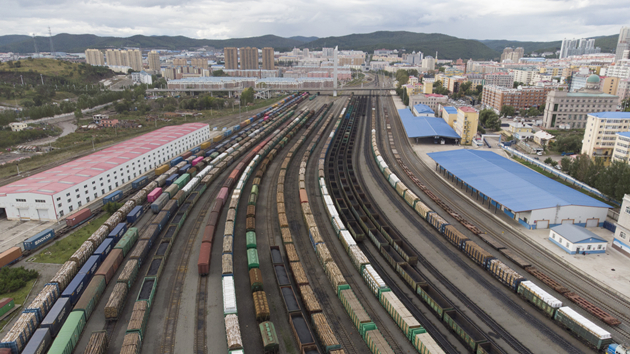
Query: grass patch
point(555, 178)
point(80, 142)
point(19, 296)
point(61, 250)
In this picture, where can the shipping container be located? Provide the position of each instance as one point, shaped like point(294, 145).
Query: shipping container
point(127, 241)
point(78, 217)
point(39, 239)
point(10, 256)
point(135, 214)
point(39, 342)
point(583, 328)
point(105, 248)
point(113, 197)
point(140, 182)
point(160, 201)
point(6, 305)
point(154, 194)
point(176, 160)
point(229, 296)
point(118, 231)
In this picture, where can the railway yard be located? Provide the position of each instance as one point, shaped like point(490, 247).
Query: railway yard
point(312, 227)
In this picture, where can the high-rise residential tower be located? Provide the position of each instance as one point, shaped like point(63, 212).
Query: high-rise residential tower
point(268, 59)
point(230, 55)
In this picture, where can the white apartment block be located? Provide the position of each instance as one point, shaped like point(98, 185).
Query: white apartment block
point(524, 76)
point(622, 147)
point(601, 133)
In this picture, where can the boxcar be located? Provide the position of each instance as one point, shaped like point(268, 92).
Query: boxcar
point(269, 337)
point(583, 328)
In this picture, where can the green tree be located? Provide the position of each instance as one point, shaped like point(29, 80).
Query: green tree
point(532, 112)
point(548, 161)
point(247, 96)
point(568, 143)
point(479, 89)
point(402, 76)
point(219, 73)
point(112, 207)
point(13, 279)
point(465, 86)
point(516, 84)
point(78, 114)
point(565, 164)
point(507, 111)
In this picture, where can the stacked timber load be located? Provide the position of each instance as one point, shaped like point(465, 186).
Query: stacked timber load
point(44, 300)
point(231, 215)
point(129, 273)
point(298, 273)
point(226, 264)
point(323, 254)
point(22, 330)
point(65, 274)
point(359, 259)
point(98, 236)
point(310, 221)
point(116, 301)
point(229, 228)
point(255, 279)
point(334, 275)
point(261, 306)
point(114, 220)
point(139, 317)
point(324, 332)
point(251, 210)
point(97, 343)
point(286, 235)
point(306, 208)
point(292, 255)
point(281, 208)
point(250, 224)
point(280, 197)
point(314, 232)
point(227, 244)
point(132, 343)
point(282, 219)
point(233, 332)
point(312, 305)
point(83, 253)
point(235, 199)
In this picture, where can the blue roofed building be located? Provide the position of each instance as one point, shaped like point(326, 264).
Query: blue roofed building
point(524, 195)
point(574, 239)
point(427, 129)
point(422, 110)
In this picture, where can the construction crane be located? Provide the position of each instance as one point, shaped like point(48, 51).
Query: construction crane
point(52, 49)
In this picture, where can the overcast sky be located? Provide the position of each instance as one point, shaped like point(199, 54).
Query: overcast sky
point(538, 20)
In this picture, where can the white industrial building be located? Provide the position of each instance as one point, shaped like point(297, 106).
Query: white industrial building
point(57, 192)
point(575, 240)
point(621, 242)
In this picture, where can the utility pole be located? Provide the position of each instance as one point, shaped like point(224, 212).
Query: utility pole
point(42, 77)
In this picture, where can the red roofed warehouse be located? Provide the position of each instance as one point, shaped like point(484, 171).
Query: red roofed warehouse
point(57, 192)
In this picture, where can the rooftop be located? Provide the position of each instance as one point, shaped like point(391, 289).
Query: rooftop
point(585, 94)
point(78, 171)
point(577, 234)
point(467, 109)
point(424, 127)
point(624, 134)
point(509, 183)
point(611, 115)
point(450, 110)
point(423, 108)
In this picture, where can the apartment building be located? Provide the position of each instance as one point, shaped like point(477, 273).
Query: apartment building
point(130, 58)
point(601, 133)
point(94, 57)
point(499, 79)
point(249, 58)
point(572, 108)
point(154, 61)
point(621, 150)
point(268, 59)
point(433, 100)
point(521, 98)
point(620, 70)
point(524, 76)
point(230, 56)
point(466, 124)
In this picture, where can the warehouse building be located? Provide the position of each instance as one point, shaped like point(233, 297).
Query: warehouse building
point(574, 239)
point(427, 129)
point(49, 195)
point(524, 195)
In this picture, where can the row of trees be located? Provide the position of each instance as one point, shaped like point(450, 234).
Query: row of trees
point(613, 181)
point(10, 138)
point(13, 279)
point(508, 111)
point(489, 119)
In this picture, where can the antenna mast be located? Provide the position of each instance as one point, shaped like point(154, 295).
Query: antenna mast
point(52, 49)
point(35, 43)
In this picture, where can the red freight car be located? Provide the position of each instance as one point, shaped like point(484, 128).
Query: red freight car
point(203, 264)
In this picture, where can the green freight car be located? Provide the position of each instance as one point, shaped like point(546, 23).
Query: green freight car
point(69, 334)
point(182, 180)
point(128, 240)
point(252, 259)
point(147, 291)
point(269, 337)
point(250, 239)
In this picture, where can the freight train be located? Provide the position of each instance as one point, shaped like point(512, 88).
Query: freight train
point(589, 332)
point(81, 280)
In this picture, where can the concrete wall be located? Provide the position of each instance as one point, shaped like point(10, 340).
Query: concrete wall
point(578, 214)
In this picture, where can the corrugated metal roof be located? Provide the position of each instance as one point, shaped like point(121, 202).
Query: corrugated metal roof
point(611, 115)
point(509, 183)
point(626, 134)
point(576, 234)
point(77, 171)
point(450, 110)
point(423, 108)
point(424, 127)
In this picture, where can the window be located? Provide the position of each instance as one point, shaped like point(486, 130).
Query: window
point(59, 205)
point(599, 247)
point(60, 213)
point(21, 200)
point(40, 201)
point(588, 247)
point(79, 203)
point(622, 234)
point(70, 208)
point(58, 198)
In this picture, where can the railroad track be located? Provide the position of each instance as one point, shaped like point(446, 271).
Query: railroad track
point(454, 256)
point(552, 270)
point(200, 346)
point(308, 257)
point(168, 335)
point(487, 319)
point(334, 155)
